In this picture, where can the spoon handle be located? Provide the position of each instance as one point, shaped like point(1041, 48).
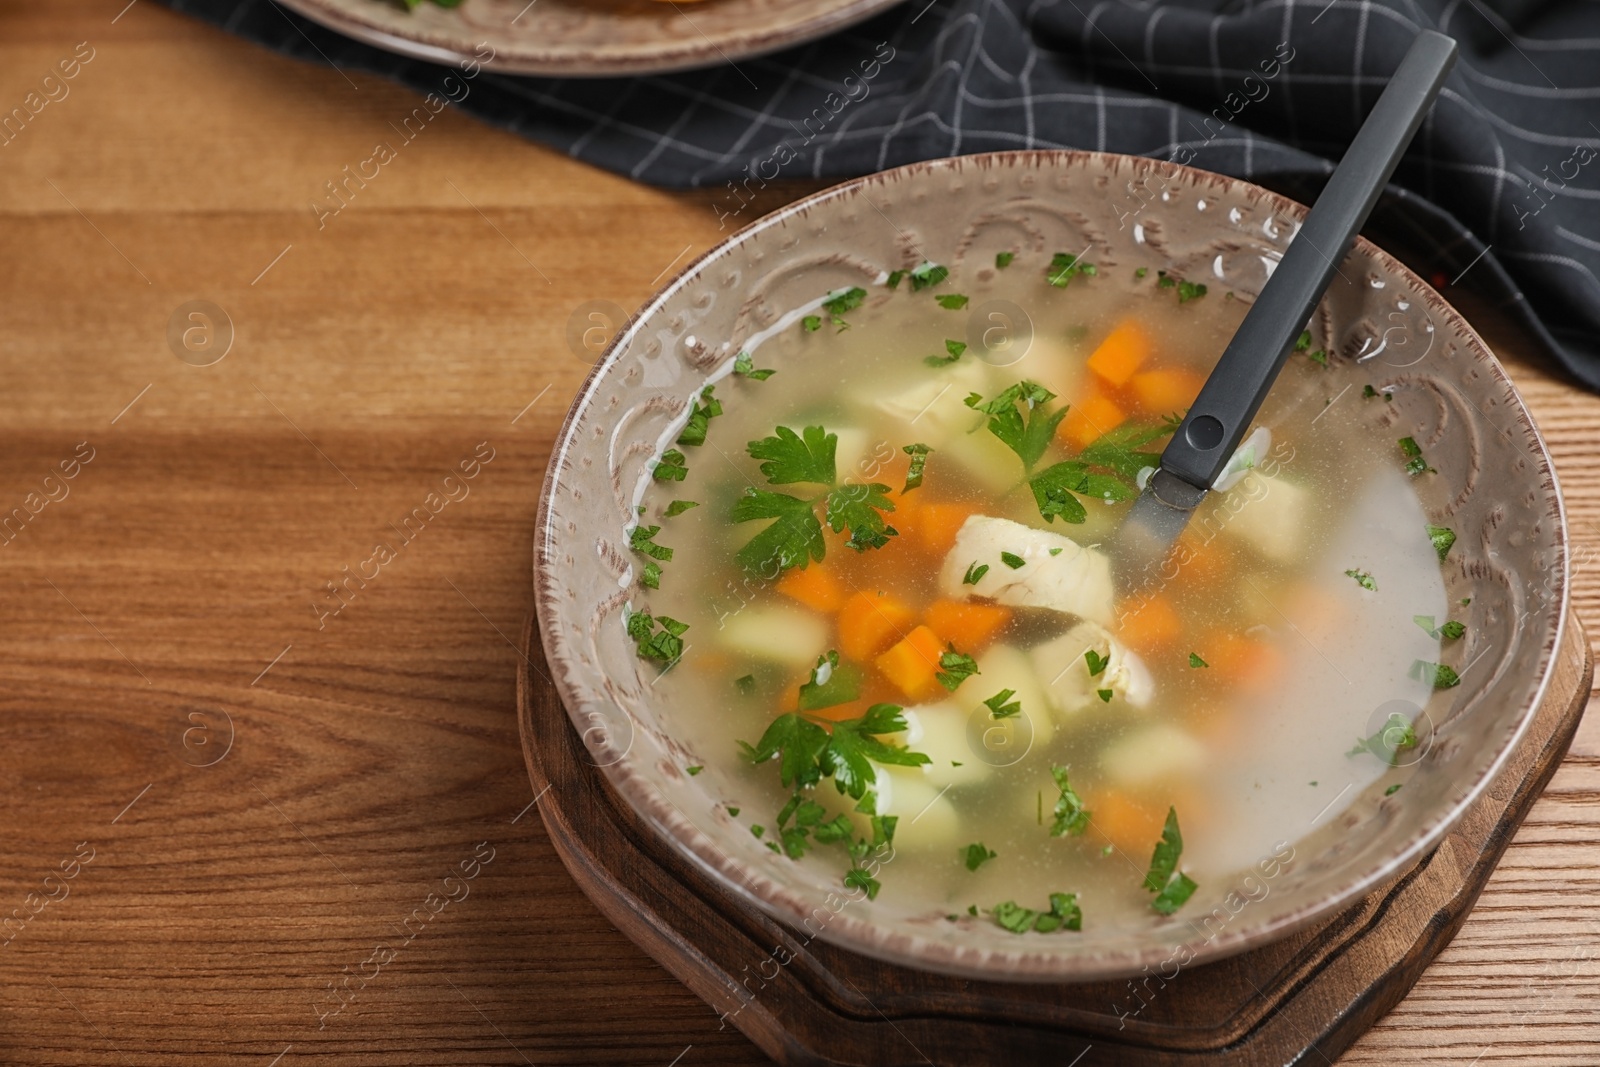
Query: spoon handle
point(1220, 415)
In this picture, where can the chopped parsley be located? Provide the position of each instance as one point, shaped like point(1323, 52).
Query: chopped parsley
point(1064, 914)
point(1450, 630)
point(1187, 291)
point(1171, 886)
point(1012, 560)
point(842, 301)
point(1442, 537)
point(670, 467)
point(955, 667)
point(1002, 260)
point(1392, 790)
point(952, 301)
point(639, 539)
point(1028, 436)
point(1319, 357)
point(975, 573)
point(1071, 817)
point(650, 578)
point(1064, 266)
point(1097, 662)
point(1001, 706)
point(745, 367)
point(693, 769)
point(678, 507)
point(1139, 273)
point(1415, 464)
point(919, 459)
point(733, 811)
point(1435, 674)
point(1303, 343)
point(1196, 662)
point(746, 685)
point(662, 645)
point(1391, 737)
point(1105, 694)
point(705, 408)
point(1369, 392)
point(831, 683)
point(926, 276)
point(953, 351)
point(1363, 579)
point(756, 829)
point(975, 855)
point(811, 323)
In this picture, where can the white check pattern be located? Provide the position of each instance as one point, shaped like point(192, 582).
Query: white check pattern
point(1508, 162)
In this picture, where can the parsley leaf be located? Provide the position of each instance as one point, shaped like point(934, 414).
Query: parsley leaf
point(1071, 817)
point(1105, 695)
point(1196, 662)
point(975, 573)
point(893, 281)
point(927, 276)
point(1452, 630)
point(1172, 887)
point(1303, 342)
point(953, 351)
point(1363, 579)
point(976, 855)
point(811, 323)
point(1064, 914)
point(919, 459)
point(1002, 260)
point(844, 300)
point(1064, 266)
point(706, 407)
point(1012, 560)
point(746, 685)
point(1415, 464)
point(1391, 737)
point(1190, 291)
point(952, 301)
point(639, 539)
point(853, 747)
point(998, 706)
point(790, 457)
point(651, 577)
point(664, 645)
point(678, 507)
point(860, 878)
point(1053, 490)
point(831, 683)
point(1435, 674)
point(1028, 436)
point(1442, 537)
point(1140, 272)
point(792, 541)
point(1118, 450)
point(745, 367)
point(670, 467)
point(1097, 662)
point(694, 769)
point(859, 508)
point(796, 743)
point(1320, 357)
point(955, 667)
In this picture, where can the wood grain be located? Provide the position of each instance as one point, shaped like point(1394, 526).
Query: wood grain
point(373, 757)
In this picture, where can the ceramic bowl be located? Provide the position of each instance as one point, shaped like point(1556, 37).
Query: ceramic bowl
point(1495, 487)
point(588, 38)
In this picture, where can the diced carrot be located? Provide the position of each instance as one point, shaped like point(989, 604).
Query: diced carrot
point(971, 626)
point(936, 525)
point(912, 663)
point(1149, 627)
point(1132, 825)
point(1091, 416)
point(870, 623)
point(1166, 390)
point(814, 587)
point(1200, 562)
point(1121, 353)
point(1253, 666)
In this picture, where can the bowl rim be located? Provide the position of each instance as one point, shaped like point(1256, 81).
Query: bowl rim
point(865, 937)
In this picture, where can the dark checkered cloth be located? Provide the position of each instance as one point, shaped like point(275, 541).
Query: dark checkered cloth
point(1501, 189)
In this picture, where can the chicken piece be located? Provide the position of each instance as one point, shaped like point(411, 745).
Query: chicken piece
point(939, 731)
point(1272, 520)
point(1063, 669)
point(1074, 580)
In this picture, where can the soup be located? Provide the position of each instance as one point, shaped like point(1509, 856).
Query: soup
point(874, 570)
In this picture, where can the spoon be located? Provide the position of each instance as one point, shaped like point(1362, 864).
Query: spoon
point(1207, 437)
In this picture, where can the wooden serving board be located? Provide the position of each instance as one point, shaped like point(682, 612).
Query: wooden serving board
point(1302, 1000)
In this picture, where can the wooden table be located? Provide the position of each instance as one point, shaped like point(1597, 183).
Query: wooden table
point(247, 826)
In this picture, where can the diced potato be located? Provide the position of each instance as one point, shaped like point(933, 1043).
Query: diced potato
point(935, 405)
point(939, 731)
point(1008, 667)
point(1156, 752)
point(850, 453)
point(775, 632)
point(986, 458)
point(1273, 518)
point(1064, 671)
point(928, 821)
point(1076, 580)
